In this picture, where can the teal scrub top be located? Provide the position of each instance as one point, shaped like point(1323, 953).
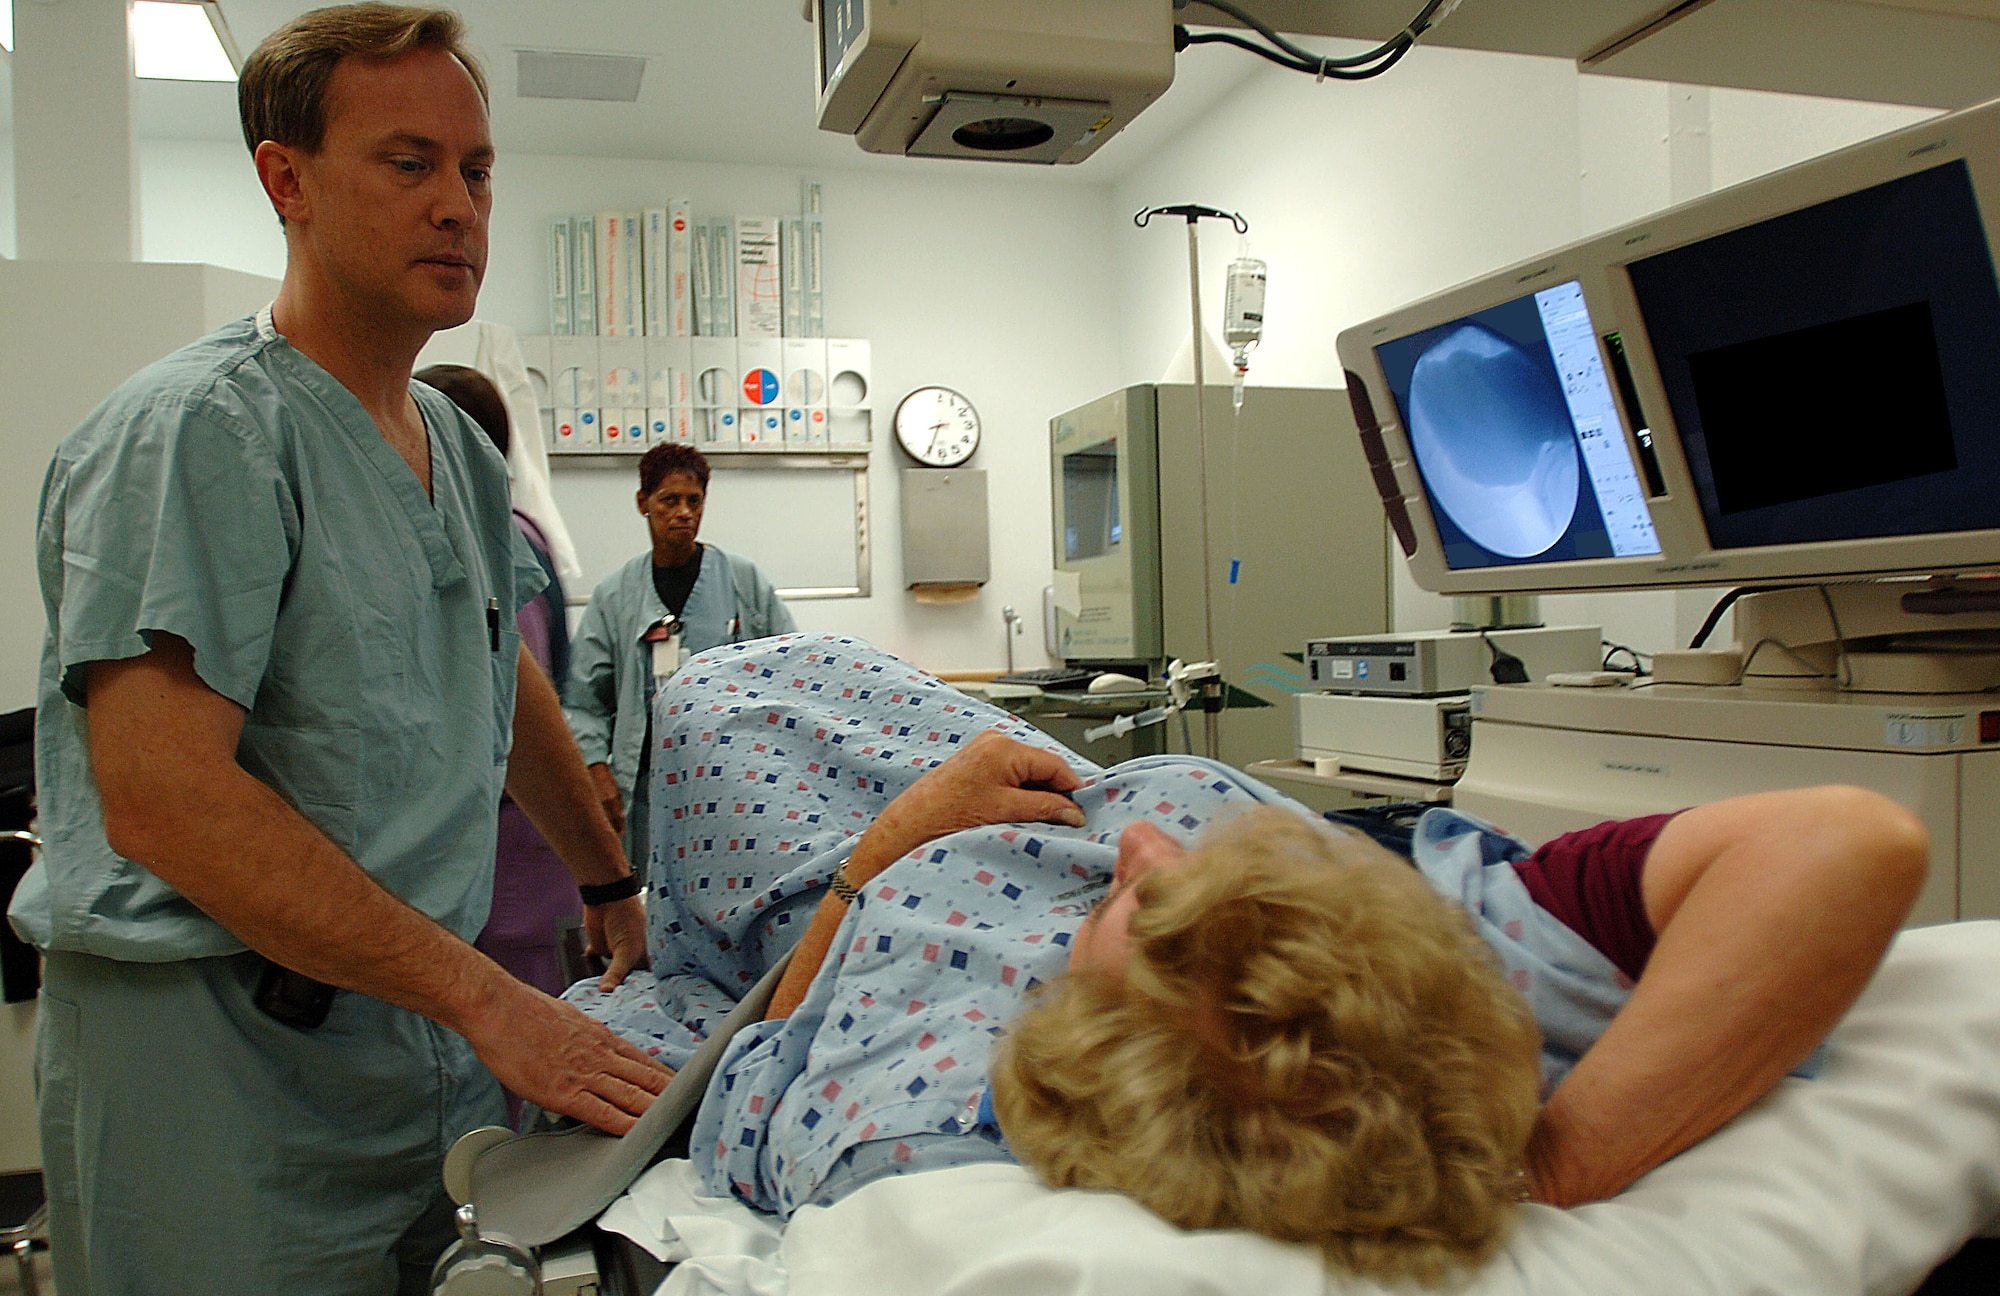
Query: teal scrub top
point(236, 495)
point(610, 688)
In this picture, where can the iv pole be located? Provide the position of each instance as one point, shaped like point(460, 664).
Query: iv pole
point(1211, 680)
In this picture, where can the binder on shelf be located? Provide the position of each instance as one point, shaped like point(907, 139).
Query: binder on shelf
point(759, 365)
point(805, 392)
point(564, 437)
point(574, 391)
point(722, 274)
point(849, 382)
point(760, 287)
point(622, 396)
point(559, 276)
point(620, 287)
point(792, 261)
point(616, 432)
point(680, 302)
point(812, 239)
point(714, 407)
point(670, 389)
point(541, 379)
point(654, 268)
point(669, 381)
point(583, 275)
point(702, 296)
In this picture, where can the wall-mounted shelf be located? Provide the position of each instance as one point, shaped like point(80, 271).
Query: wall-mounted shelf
point(723, 395)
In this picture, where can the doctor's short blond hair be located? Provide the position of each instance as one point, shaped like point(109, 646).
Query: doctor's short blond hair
point(1306, 1041)
point(281, 92)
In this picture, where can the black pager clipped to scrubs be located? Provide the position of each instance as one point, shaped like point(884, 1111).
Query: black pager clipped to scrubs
point(294, 998)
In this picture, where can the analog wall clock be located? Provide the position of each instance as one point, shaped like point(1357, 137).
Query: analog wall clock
point(937, 427)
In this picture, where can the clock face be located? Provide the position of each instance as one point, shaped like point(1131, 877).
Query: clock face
point(937, 427)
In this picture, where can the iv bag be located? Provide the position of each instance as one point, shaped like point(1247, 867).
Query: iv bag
point(1243, 303)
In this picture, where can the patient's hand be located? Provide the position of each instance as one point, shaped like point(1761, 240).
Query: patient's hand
point(995, 780)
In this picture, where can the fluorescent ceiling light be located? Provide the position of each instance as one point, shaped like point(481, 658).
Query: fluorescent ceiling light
point(7, 25)
point(174, 41)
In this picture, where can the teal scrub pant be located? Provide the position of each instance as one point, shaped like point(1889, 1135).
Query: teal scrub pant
point(193, 1145)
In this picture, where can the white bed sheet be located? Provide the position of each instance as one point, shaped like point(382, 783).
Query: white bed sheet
point(1857, 1182)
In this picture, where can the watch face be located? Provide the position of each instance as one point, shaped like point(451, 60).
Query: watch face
point(937, 427)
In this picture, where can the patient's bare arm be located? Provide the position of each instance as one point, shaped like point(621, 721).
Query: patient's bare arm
point(1772, 912)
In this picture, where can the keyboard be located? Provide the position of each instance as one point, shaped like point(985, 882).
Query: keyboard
point(1055, 679)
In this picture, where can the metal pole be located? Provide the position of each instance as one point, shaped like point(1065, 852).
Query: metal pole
point(1201, 436)
point(1211, 684)
point(1211, 714)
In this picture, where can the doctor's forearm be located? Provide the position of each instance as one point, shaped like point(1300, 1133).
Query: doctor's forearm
point(547, 779)
point(243, 856)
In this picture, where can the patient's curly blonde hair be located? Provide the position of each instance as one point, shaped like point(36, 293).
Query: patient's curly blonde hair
point(1306, 1041)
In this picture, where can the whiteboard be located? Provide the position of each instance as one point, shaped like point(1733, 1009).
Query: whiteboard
point(802, 518)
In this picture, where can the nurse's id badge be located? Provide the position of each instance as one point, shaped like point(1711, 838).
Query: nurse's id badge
point(664, 637)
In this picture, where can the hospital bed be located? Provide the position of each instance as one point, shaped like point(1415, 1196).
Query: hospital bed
point(1860, 1181)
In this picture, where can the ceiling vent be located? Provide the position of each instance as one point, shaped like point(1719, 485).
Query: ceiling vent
point(549, 74)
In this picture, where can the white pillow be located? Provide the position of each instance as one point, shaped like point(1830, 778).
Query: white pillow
point(1858, 1182)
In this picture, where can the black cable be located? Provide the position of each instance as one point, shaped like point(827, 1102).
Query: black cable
point(1183, 38)
point(1715, 617)
point(1317, 63)
point(1638, 667)
point(1723, 605)
point(1506, 667)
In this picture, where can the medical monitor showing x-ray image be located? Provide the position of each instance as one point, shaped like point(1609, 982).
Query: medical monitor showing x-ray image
point(1803, 368)
point(1516, 437)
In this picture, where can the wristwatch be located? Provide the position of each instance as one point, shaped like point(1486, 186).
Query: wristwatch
point(841, 887)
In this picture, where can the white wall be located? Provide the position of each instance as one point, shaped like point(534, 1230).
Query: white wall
point(1032, 292)
point(1364, 197)
point(995, 281)
point(199, 200)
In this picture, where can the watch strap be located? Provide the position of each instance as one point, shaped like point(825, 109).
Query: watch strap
point(841, 887)
point(603, 893)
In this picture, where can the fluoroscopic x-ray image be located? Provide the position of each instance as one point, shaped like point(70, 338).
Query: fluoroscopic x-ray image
point(1491, 432)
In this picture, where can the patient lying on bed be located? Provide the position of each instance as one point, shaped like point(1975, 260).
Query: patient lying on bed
point(1283, 1029)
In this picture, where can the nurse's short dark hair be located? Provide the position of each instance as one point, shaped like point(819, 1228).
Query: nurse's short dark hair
point(281, 93)
point(473, 392)
point(656, 464)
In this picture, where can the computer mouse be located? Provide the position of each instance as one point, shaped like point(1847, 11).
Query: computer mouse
point(1112, 682)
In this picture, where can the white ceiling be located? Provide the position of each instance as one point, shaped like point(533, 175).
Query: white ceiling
point(726, 81)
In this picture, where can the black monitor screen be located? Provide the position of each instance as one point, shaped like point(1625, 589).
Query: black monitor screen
point(1512, 422)
point(1835, 371)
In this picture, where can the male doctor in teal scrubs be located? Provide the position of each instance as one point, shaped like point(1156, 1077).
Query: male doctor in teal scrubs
point(280, 695)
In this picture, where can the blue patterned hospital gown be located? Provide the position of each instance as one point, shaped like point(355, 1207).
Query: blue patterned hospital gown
point(773, 757)
point(770, 760)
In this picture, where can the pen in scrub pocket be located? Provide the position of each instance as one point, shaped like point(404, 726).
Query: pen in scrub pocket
point(493, 623)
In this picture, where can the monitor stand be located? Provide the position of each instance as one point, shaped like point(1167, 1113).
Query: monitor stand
point(1940, 635)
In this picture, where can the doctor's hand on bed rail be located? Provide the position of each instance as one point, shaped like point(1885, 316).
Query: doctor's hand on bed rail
point(564, 1062)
